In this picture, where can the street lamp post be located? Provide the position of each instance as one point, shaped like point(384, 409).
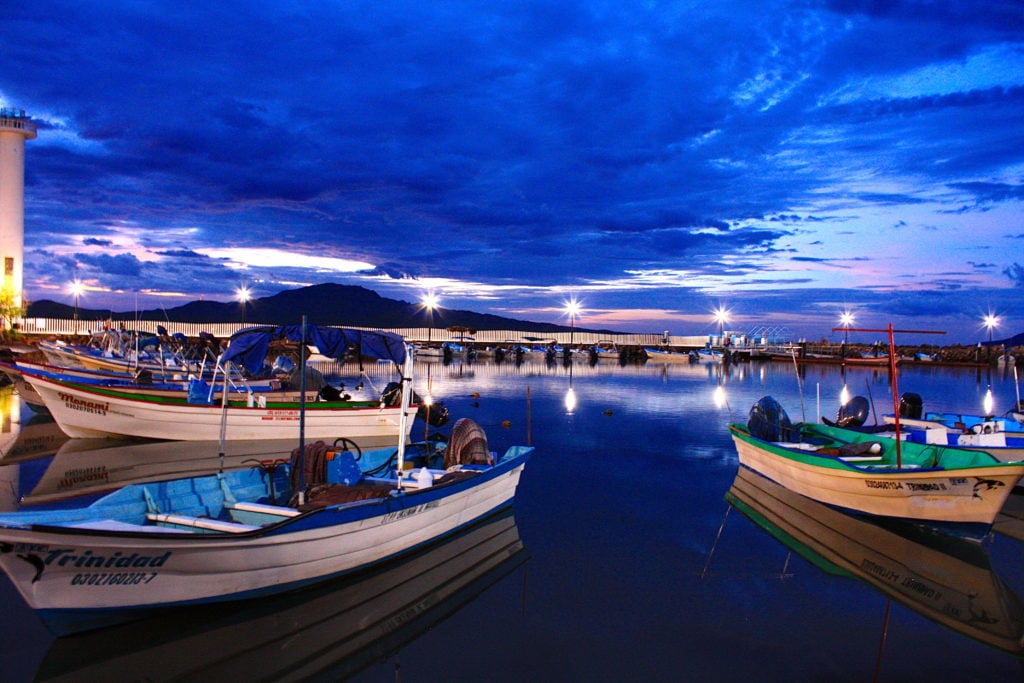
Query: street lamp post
point(76, 287)
point(721, 317)
point(846, 320)
point(991, 321)
point(572, 308)
point(429, 302)
point(243, 294)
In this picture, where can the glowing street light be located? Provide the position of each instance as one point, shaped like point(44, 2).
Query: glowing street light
point(721, 316)
point(243, 294)
point(77, 288)
point(846, 320)
point(429, 302)
point(572, 309)
point(991, 321)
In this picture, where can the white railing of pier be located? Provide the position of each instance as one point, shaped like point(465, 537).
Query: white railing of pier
point(34, 327)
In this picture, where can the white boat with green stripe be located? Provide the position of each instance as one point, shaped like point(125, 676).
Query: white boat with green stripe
point(959, 490)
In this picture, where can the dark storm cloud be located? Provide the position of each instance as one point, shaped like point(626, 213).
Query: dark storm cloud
point(1016, 274)
point(181, 254)
point(121, 265)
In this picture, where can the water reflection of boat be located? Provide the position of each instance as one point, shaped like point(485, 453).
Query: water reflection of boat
point(38, 437)
point(945, 579)
point(331, 632)
point(89, 466)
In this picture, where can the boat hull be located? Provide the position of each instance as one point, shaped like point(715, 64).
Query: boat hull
point(84, 412)
point(332, 632)
point(969, 496)
point(658, 356)
point(74, 578)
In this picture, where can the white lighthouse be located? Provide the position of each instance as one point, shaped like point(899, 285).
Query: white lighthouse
point(15, 128)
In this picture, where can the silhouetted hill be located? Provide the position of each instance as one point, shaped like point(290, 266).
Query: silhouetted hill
point(327, 304)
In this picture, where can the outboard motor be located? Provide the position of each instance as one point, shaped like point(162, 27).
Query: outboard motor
point(436, 415)
point(911, 406)
point(283, 365)
point(768, 421)
point(854, 414)
point(392, 394)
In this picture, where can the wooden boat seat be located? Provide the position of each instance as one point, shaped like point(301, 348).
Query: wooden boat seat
point(263, 509)
point(200, 522)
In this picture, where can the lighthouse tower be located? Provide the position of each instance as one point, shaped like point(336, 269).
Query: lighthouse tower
point(15, 128)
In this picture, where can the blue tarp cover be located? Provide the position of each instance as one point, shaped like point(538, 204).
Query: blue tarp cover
point(249, 347)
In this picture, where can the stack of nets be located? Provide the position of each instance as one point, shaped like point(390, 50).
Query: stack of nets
point(467, 445)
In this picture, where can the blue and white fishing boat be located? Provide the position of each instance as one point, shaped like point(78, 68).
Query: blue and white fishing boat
point(161, 384)
point(964, 423)
point(987, 425)
point(655, 355)
point(709, 355)
point(984, 435)
point(123, 351)
point(246, 533)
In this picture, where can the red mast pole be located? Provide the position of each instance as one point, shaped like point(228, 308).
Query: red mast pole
point(892, 370)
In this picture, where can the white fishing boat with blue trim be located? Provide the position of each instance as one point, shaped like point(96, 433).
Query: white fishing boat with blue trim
point(656, 355)
point(126, 351)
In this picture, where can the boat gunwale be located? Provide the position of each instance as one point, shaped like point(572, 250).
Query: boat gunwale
point(182, 401)
point(360, 510)
point(837, 465)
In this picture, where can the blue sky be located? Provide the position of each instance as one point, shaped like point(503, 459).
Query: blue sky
point(654, 161)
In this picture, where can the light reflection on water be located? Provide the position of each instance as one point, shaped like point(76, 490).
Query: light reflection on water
point(619, 511)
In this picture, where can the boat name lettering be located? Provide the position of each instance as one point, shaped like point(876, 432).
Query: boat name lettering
point(408, 512)
point(84, 405)
point(931, 486)
point(105, 579)
point(83, 475)
point(281, 416)
point(410, 613)
point(876, 484)
point(64, 557)
point(879, 571)
point(957, 482)
point(921, 588)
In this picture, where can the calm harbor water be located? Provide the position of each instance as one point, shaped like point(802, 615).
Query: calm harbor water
point(622, 560)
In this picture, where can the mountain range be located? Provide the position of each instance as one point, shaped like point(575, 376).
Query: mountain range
point(326, 304)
